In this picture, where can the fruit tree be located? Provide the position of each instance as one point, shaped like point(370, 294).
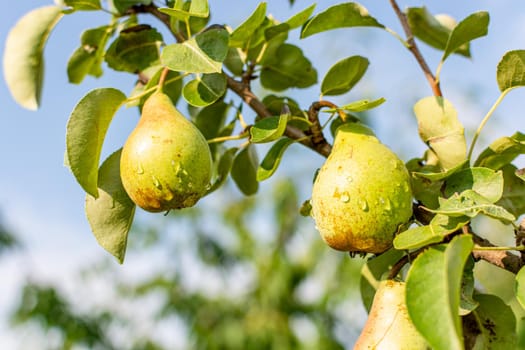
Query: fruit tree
point(213, 95)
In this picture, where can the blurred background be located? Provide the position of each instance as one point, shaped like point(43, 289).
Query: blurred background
point(234, 272)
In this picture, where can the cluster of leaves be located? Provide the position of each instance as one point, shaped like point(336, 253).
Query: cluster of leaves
point(209, 62)
point(262, 315)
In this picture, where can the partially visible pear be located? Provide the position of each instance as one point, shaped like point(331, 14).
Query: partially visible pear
point(166, 162)
point(361, 194)
point(389, 326)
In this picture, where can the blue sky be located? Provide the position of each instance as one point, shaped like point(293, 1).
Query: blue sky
point(42, 203)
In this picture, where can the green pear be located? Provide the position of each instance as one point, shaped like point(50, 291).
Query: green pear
point(361, 194)
point(389, 326)
point(166, 162)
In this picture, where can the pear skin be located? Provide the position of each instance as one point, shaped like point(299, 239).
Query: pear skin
point(389, 326)
point(166, 162)
point(361, 194)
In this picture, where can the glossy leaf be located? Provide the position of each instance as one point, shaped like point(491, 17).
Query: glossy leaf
point(203, 53)
point(86, 129)
point(431, 30)
point(111, 214)
point(485, 181)
point(242, 34)
point(273, 158)
point(433, 292)
point(472, 27)
point(343, 75)
point(134, 51)
point(205, 90)
point(197, 8)
point(440, 128)
point(23, 54)
point(268, 129)
point(300, 18)
point(84, 5)
point(88, 58)
point(288, 68)
point(373, 272)
point(497, 323)
point(511, 69)
point(223, 168)
point(358, 106)
point(244, 170)
point(348, 14)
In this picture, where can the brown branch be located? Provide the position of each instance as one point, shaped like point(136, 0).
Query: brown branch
point(500, 258)
point(412, 46)
point(164, 18)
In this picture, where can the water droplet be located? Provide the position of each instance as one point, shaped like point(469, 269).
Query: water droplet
point(140, 169)
point(363, 204)
point(349, 179)
point(388, 205)
point(156, 182)
point(190, 185)
point(381, 201)
point(345, 198)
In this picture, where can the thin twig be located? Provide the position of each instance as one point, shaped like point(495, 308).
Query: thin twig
point(412, 46)
point(500, 258)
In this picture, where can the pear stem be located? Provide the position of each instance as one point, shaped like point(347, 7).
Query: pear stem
point(229, 138)
point(162, 79)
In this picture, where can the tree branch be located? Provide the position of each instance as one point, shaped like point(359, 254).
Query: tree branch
point(500, 258)
point(412, 46)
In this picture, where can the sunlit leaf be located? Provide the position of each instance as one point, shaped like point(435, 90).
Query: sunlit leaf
point(301, 17)
point(244, 170)
point(86, 130)
point(205, 90)
point(343, 75)
point(203, 53)
point(111, 214)
point(348, 14)
point(433, 292)
point(84, 5)
point(268, 129)
point(23, 54)
point(502, 151)
point(242, 34)
point(134, 50)
point(497, 323)
point(485, 181)
point(273, 158)
point(440, 128)
point(511, 70)
point(197, 8)
point(470, 28)
point(357, 106)
point(88, 58)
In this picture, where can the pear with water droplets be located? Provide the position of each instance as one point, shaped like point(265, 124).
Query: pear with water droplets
point(166, 162)
point(361, 194)
point(389, 325)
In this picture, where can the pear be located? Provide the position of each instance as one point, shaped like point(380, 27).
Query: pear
point(389, 326)
point(361, 194)
point(166, 162)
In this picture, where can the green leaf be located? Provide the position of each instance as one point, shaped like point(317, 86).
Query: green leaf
point(135, 49)
point(497, 323)
point(111, 214)
point(287, 68)
point(210, 120)
point(203, 53)
point(268, 129)
point(301, 17)
point(205, 90)
point(485, 181)
point(349, 14)
point(438, 176)
point(467, 303)
point(244, 170)
point(513, 198)
point(343, 75)
point(84, 5)
point(275, 105)
point(23, 54)
point(433, 289)
point(502, 151)
point(86, 129)
point(431, 30)
point(471, 203)
point(197, 8)
point(122, 6)
point(472, 27)
point(234, 62)
point(88, 58)
point(441, 130)
point(520, 287)
point(511, 70)
point(172, 86)
point(373, 272)
point(273, 158)
point(223, 168)
point(439, 227)
point(243, 33)
point(357, 106)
